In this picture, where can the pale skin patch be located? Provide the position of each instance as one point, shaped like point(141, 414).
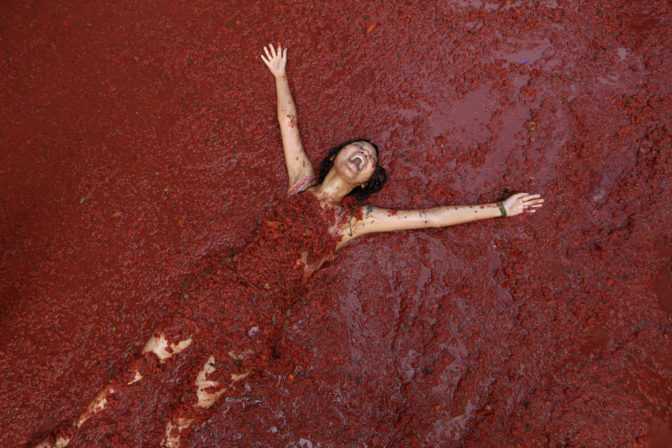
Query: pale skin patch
point(235, 377)
point(205, 397)
point(97, 405)
point(172, 436)
point(60, 443)
point(159, 346)
point(136, 378)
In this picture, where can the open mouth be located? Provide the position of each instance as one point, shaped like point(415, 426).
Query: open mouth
point(358, 161)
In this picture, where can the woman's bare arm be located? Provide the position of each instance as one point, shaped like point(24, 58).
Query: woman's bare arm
point(298, 164)
point(376, 219)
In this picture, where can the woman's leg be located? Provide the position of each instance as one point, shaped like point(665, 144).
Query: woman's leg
point(158, 346)
point(194, 410)
point(242, 343)
point(158, 349)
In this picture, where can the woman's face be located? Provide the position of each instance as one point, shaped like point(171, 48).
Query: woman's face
point(356, 162)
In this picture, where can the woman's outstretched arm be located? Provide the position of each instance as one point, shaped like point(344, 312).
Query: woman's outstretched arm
point(376, 219)
point(298, 164)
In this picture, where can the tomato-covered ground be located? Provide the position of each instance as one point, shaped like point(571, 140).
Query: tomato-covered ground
point(140, 137)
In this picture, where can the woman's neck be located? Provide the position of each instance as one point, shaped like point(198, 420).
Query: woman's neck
point(332, 189)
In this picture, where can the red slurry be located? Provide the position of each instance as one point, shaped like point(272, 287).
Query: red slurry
point(140, 137)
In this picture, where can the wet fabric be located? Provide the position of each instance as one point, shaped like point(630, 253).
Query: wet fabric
point(234, 310)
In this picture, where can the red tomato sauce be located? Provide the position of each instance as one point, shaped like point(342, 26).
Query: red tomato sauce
point(140, 152)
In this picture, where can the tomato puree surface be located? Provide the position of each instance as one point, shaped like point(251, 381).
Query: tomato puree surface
point(140, 152)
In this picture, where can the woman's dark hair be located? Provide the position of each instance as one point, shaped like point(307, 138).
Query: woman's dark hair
point(374, 184)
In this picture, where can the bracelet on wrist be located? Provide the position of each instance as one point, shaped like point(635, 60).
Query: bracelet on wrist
point(502, 209)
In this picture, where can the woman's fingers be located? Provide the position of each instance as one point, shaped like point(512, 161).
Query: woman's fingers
point(523, 202)
point(272, 53)
point(532, 203)
point(531, 198)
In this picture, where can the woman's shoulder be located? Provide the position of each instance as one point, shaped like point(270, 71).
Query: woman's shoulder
point(302, 184)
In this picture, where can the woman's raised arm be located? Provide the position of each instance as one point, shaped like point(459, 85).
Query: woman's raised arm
point(298, 164)
point(376, 219)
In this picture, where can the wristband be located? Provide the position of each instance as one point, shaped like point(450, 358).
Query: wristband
point(502, 209)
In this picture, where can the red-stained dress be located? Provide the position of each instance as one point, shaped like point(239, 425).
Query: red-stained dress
point(238, 307)
point(234, 311)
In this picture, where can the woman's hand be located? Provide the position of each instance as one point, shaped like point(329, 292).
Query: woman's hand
point(522, 202)
point(275, 61)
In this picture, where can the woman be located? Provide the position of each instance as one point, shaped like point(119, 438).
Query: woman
point(243, 298)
